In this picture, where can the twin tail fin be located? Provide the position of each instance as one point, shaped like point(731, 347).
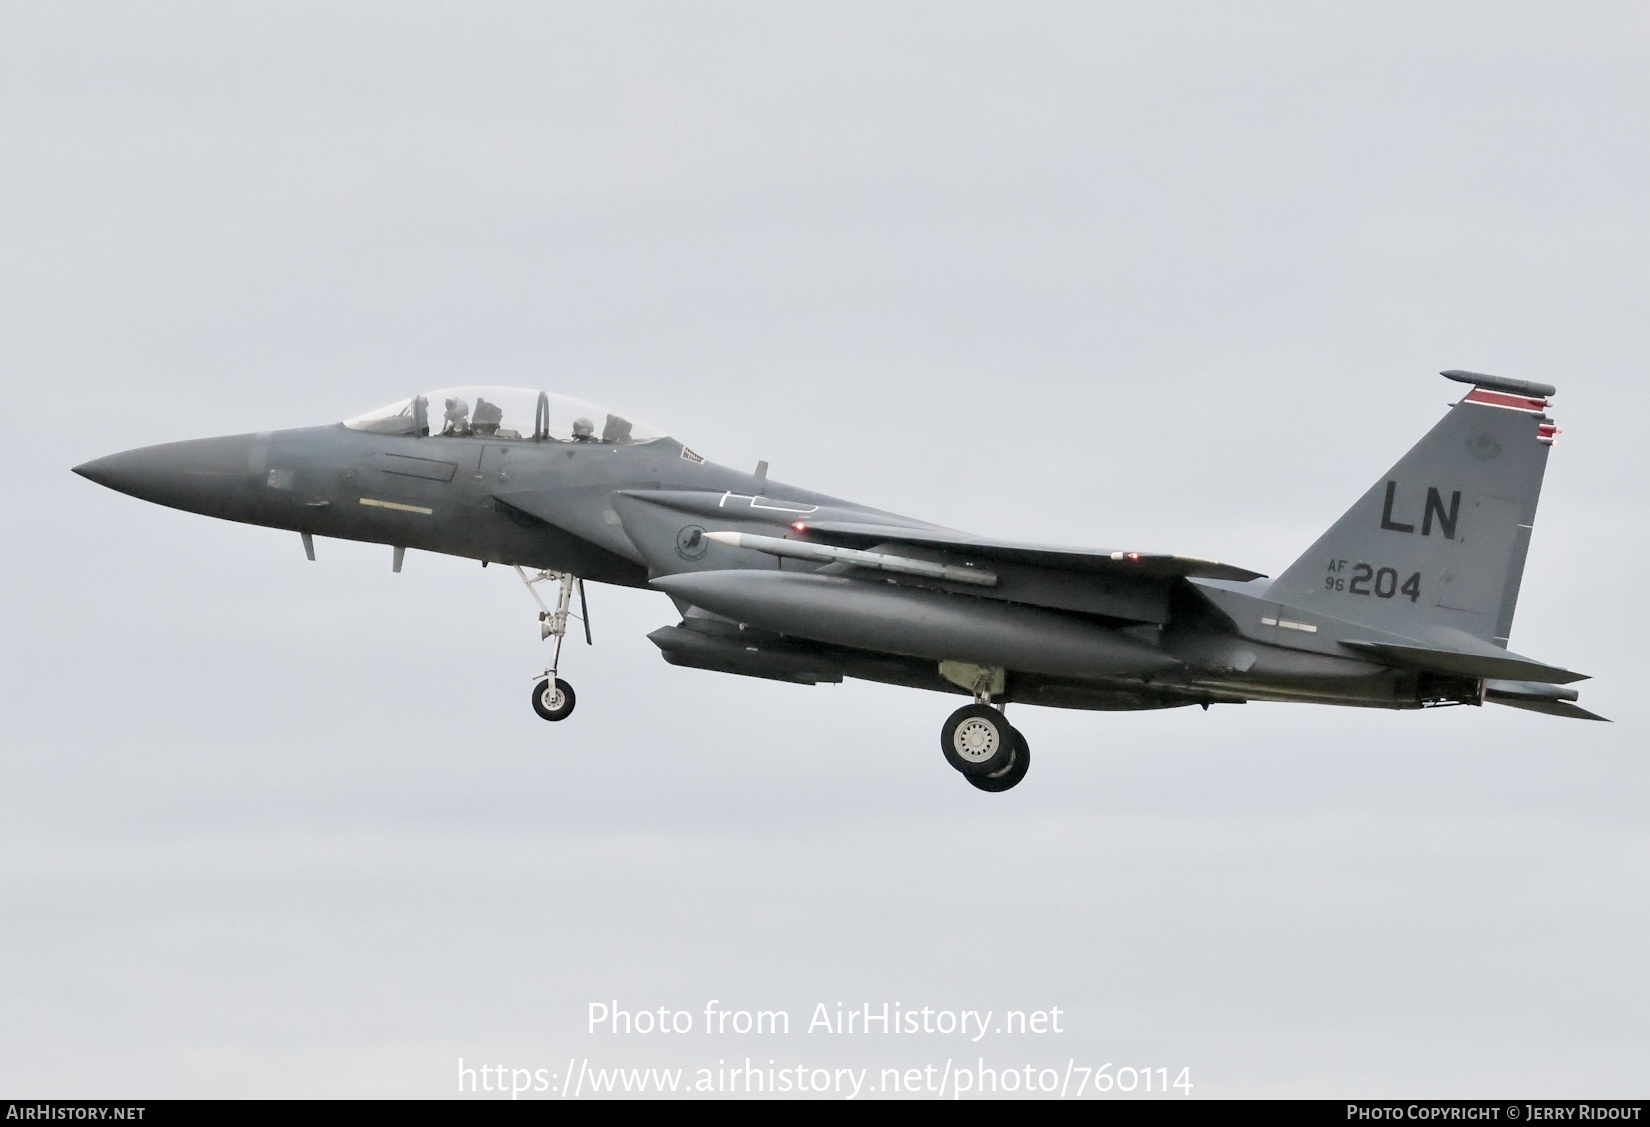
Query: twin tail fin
point(1439, 540)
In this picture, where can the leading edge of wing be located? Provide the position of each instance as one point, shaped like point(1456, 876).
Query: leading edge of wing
point(1145, 564)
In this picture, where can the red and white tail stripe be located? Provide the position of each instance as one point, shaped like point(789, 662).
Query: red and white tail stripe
point(1505, 399)
point(1546, 430)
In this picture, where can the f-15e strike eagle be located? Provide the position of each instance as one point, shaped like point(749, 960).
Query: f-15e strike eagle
point(1406, 602)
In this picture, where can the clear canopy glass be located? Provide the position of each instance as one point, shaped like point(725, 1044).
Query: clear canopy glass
point(511, 414)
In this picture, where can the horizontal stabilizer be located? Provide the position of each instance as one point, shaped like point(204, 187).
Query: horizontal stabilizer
point(1143, 564)
point(1509, 666)
point(1534, 696)
point(1551, 708)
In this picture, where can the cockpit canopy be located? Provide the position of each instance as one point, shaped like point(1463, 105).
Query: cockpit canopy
point(511, 414)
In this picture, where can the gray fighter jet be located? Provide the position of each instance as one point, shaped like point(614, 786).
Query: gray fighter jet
point(1406, 602)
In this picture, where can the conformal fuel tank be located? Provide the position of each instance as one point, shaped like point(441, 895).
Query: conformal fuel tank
point(876, 615)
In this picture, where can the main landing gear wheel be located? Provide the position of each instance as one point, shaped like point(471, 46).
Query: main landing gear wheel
point(978, 741)
point(1009, 776)
point(553, 701)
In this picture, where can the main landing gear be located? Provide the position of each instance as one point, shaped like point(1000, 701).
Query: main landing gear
point(553, 698)
point(988, 751)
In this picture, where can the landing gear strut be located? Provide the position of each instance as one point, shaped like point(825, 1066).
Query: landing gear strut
point(553, 698)
point(980, 743)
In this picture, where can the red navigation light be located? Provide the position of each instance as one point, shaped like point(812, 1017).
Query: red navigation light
point(800, 527)
point(1134, 557)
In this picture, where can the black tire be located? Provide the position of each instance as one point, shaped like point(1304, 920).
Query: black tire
point(1009, 776)
point(553, 708)
point(977, 740)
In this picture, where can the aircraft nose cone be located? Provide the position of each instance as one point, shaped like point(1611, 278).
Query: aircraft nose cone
point(205, 475)
point(112, 472)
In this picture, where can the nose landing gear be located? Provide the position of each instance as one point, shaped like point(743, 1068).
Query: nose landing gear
point(553, 698)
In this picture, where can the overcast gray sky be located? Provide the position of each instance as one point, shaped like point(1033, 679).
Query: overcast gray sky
point(1162, 276)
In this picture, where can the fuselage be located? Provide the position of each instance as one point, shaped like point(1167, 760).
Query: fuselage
point(1394, 607)
point(576, 506)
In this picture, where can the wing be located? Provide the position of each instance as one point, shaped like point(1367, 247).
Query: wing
point(1142, 564)
point(823, 520)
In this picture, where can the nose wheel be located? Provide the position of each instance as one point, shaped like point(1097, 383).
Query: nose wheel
point(553, 698)
point(982, 746)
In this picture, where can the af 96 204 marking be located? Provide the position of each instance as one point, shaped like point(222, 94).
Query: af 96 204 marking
point(1369, 580)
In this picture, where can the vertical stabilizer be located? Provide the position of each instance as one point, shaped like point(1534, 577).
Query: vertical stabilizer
point(1440, 539)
